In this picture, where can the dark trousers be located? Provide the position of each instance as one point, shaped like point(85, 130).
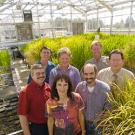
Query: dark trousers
point(67, 131)
point(38, 129)
point(91, 128)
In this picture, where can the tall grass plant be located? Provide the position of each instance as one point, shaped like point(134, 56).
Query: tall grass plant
point(4, 58)
point(4, 61)
point(120, 120)
point(80, 47)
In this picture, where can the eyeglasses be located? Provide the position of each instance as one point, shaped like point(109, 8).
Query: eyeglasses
point(39, 73)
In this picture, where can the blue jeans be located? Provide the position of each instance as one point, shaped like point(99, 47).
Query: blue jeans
point(91, 129)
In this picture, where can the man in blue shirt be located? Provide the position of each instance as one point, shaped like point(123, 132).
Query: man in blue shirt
point(94, 94)
point(45, 54)
point(64, 67)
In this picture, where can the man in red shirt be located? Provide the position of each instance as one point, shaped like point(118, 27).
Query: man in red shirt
point(31, 105)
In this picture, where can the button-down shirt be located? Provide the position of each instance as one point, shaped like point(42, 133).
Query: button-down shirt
point(32, 100)
point(106, 75)
point(101, 63)
point(95, 101)
point(72, 72)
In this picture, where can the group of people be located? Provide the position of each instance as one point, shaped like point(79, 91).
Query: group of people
point(60, 100)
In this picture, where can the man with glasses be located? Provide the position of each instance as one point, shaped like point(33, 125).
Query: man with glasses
point(31, 105)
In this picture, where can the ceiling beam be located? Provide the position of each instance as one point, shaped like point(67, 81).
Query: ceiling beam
point(75, 7)
point(102, 2)
point(7, 7)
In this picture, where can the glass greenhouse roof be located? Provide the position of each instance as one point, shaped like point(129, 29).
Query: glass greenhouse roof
point(11, 10)
point(56, 17)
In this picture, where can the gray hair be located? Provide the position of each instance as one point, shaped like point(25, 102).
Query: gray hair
point(34, 67)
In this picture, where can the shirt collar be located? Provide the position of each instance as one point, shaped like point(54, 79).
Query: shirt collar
point(58, 67)
point(98, 60)
point(37, 86)
point(85, 83)
point(118, 73)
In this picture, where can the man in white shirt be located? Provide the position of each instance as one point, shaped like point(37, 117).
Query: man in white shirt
point(115, 73)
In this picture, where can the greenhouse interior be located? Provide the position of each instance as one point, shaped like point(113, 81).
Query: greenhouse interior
point(54, 18)
point(28, 25)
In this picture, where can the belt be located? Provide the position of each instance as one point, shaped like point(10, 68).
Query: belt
point(38, 124)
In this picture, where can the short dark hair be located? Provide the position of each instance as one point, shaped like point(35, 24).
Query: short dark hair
point(54, 93)
point(44, 47)
point(116, 51)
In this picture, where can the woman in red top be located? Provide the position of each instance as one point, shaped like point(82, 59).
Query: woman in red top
point(65, 109)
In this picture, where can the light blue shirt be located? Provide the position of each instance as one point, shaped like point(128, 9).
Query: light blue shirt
point(95, 101)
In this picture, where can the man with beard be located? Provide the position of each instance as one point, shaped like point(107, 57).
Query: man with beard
point(31, 104)
point(94, 94)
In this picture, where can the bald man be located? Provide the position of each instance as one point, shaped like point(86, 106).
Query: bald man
point(94, 94)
